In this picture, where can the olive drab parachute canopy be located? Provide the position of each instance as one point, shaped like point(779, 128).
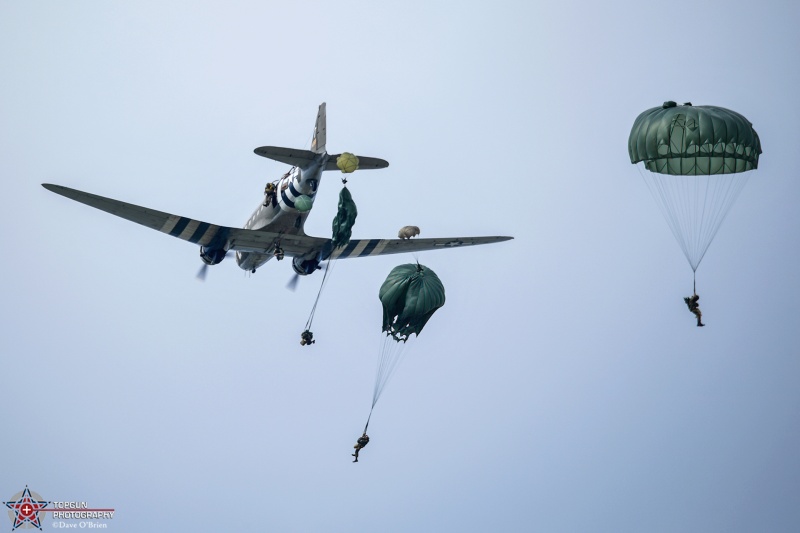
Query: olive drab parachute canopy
point(691, 140)
point(344, 220)
point(410, 295)
point(347, 162)
point(697, 158)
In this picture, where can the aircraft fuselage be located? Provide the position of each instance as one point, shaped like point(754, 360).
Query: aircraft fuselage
point(278, 213)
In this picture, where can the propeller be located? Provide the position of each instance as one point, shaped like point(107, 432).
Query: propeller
point(201, 274)
point(292, 285)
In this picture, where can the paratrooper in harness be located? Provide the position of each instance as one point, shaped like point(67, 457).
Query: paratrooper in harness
point(362, 441)
point(691, 303)
point(306, 338)
point(271, 195)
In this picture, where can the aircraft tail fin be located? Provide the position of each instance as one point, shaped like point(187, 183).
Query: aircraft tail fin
point(318, 143)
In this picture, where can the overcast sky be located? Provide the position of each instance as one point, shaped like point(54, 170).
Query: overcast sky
point(562, 387)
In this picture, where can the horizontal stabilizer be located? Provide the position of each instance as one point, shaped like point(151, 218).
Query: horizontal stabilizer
point(301, 158)
point(290, 156)
point(364, 163)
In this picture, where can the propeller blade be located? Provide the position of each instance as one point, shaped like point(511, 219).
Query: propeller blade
point(201, 274)
point(292, 285)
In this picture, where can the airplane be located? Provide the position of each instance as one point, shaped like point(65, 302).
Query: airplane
point(275, 228)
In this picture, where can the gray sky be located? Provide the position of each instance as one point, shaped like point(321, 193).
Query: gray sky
point(563, 387)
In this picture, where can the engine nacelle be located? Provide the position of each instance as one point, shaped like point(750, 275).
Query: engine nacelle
point(304, 267)
point(212, 256)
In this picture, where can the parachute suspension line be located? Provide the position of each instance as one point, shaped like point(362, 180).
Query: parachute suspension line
point(694, 282)
point(669, 209)
point(321, 286)
point(694, 206)
point(368, 418)
point(310, 138)
point(726, 190)
point(391, 352)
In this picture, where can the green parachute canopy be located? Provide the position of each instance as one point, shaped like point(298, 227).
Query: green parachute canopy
point(303, 203)
point(344, 220)
point(693, 140)
point(410, 295)
point(697, 158)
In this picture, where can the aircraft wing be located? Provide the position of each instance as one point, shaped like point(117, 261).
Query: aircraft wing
point(247, 240)
point(370, 247)
point(262, 241)
point(187, 229)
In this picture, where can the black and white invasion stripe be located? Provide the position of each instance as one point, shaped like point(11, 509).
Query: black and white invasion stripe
point(194, 231)
point(291, 193)
point(360, 248)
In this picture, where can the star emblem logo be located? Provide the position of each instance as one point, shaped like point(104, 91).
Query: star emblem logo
point(25, 508)
point(450, 244)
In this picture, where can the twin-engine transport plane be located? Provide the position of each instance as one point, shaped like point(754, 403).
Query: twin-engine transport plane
point(276, 226)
